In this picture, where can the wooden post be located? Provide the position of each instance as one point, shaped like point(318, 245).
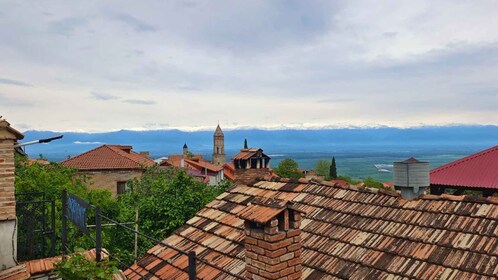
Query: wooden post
point(98, 235)
point(191, 266)
point(136, 235)
point(64, 224)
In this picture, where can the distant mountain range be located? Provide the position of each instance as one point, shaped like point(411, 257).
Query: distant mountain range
point(352, 140)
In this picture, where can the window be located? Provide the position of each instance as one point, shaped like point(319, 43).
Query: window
point(121, 187)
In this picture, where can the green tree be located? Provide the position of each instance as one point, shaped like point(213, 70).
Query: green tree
point(77, 267)
point(166, 198)
point(245, 144)
point(348, 179)
point(371, 183)
point(322, 167)
point(51, 179)
point(333, 169)
point(288, 168)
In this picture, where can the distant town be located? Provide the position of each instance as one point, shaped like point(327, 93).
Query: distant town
point(238, 217)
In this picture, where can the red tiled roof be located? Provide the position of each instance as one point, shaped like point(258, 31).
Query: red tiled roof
point(38, 161)
point(247, 153)
point(109, 157)
point(347, 233)
point(204, 164)
point(229, 171)
point(341, 183)
point(479, 170)
point(41, 266)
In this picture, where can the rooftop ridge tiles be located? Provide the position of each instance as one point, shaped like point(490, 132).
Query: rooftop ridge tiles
point(395, 221)
point(124, 154)
point(464, 159)
point(395, 206)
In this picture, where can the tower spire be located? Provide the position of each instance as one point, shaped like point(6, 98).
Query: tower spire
point(219, 157)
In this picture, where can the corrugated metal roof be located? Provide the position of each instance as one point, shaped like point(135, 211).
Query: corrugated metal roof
point(479, 170)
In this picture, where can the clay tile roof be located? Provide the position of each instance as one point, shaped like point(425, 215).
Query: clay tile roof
point(478, 170)
point(204, 164)
point(109, 157)
point(259, 214)
point(247, 153)
point(40, 267)
point(347, 233)
point(229, 171)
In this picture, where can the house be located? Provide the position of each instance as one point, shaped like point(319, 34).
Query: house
point(284, 229)
point(250, 164)
point(8, 219)
point(312, 175)
point(110, 166)
point(477, 172)
point(198, 167)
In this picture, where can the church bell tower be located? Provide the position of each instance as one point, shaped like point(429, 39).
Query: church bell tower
point(219, 157)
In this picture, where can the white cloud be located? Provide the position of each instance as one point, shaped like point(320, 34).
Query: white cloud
point(263, 63)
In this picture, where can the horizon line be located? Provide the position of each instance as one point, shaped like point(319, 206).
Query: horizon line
point(266, 128)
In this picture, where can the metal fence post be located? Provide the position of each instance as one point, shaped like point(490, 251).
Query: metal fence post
point(191, 266)
point(64, 223)
point(52, 246)
point(98, 235)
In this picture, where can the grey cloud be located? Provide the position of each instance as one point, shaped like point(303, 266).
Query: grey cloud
point(8, 101)
point(66, 26)
point(134, 22)
point(335, 100)
point(140, 102)
point(103, 96)
point(14, 82)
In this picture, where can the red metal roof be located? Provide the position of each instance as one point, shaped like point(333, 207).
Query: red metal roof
point(109, 157)
point(479, 170)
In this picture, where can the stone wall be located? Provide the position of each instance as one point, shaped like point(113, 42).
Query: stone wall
point(108, 179)
point(7, 188)
point(246, 176)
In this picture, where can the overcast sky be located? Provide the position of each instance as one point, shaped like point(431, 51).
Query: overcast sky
point(107, 65)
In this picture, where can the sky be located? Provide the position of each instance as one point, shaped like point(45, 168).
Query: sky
point(109, 65)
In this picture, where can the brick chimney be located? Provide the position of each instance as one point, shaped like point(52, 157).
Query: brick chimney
point(8, 224)
point(272, 240)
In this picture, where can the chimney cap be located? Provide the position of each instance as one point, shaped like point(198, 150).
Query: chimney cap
point(411, 160)
point(262, 210)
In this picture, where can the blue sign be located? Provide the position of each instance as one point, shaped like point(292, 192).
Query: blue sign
point(76, 211)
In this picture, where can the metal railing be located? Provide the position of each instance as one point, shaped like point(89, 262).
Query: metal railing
point(192, 257)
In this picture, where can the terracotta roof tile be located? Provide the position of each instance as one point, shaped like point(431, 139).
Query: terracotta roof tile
point(347, 233)
point(109, 157)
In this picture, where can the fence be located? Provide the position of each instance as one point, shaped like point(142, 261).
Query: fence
point(36, 226)
point(75, 209)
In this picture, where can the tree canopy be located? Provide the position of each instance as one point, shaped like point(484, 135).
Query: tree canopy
point(333, 169)
point(322, 167)
point(288, 168)
point(165, 199)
